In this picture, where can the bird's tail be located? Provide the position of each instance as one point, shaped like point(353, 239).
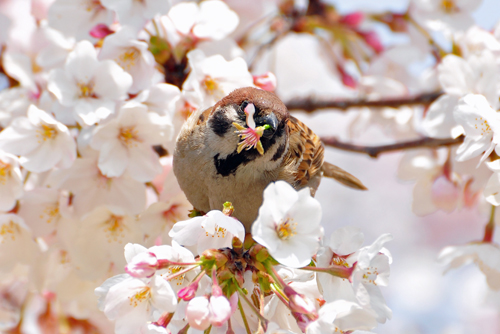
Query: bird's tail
point(342, 176)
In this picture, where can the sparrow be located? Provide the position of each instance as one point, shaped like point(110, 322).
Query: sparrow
point(231, 151)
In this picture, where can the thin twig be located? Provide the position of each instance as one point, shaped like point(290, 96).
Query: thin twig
point(311, 104)
point(374, 151)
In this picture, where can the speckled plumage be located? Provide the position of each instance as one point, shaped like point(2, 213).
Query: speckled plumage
point(211, 172)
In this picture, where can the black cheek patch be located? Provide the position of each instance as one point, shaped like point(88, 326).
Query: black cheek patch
point(220, 123)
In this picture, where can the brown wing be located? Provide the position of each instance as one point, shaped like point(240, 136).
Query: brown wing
point(305, 150)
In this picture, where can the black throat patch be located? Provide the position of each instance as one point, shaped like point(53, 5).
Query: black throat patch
point(230, 164)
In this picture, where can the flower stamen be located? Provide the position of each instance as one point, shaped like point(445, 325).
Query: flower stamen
point(286, 229)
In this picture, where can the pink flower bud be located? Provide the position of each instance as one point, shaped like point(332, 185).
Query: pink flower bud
point(347, 79)
point(371, 38)
point(100, 31)
point(142, 265)
point(220, 310)
point(353, 19)
point(298, 302)
point(198, 313)
point(266, 81)
point(188, 292)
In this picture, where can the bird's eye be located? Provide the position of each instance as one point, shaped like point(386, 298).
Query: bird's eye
point(243, 105)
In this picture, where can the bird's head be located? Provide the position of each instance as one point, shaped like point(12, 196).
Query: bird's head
point(249, 124)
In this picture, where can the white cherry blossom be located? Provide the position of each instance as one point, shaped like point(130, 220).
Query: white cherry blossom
point(125, 142)
point(371, 271)
point(99, 238)
point(211, 19)
point(89, 86)
point(132, 55)
point(475, 40)
point(16, 243)
point(446, 16)
point(132, 302)
point(77, 18)
point(212, 78)
point(458, 77)
point(42, 209)
point(213, 230)
point(91, 188)
point(40, 140)
point(481, 126)
point(288, 224)
point(342, 316)
point(485, 255)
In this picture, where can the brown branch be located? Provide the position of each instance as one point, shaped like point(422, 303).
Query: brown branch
point(311, 104)
point(374, 151)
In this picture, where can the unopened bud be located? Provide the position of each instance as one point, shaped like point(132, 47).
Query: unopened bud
point(352, 19)
point(298, 302)
point(248, 241)
point(228, 209)
point(237, 244)
point(142, 265)
point(100, 31)
point(189, 292)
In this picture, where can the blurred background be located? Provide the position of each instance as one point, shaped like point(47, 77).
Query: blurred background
point(423, 299)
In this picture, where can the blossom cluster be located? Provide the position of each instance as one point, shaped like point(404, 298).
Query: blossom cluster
point(94, 228)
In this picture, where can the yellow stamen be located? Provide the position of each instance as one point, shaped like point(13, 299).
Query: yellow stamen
point(5, 170)
point(46, 132)
point(9, 231)
point(114, 228)
point(129, 136)
point(449, 6)
point(139, 297)
point(210, 84)
point(286, 229)
point(86, 89)
point(50, 213)
point(127, 59)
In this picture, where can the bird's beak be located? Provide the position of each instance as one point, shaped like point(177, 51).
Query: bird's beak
point(270, 120)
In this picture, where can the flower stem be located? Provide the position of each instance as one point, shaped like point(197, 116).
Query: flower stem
point(182, 272)
point(490, 227)
point(164, 263)
point(271, 271)
point(243, 316)
point(252, 306)
point(164, 319)
point(280, 295)
point(335, 270)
